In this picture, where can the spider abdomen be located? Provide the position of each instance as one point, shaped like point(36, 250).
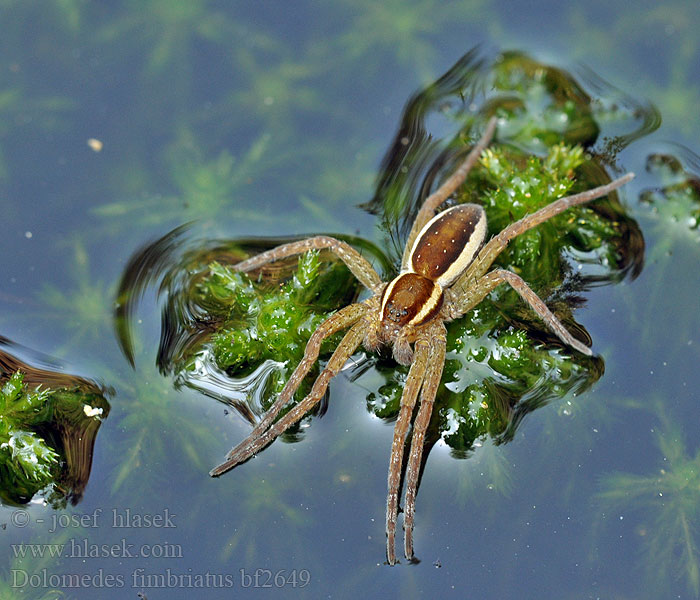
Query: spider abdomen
point(448, 243)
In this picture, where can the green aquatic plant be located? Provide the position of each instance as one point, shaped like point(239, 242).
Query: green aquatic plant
point(493, 464)
point(544, 104)
point(674, 204)
point(271, 322)
point(204, 186)
point(79, 303)
point(277, 88)
point(670, 74)
point(27, 462)
point(48, 425)
point(516, 185)
point(277, 500)
point(11, 578)
point(671, 209)
point(160, 426)
point(668, 502)
point(47, 114)
point(163, 33)
point(402, 31)
point(22, 567)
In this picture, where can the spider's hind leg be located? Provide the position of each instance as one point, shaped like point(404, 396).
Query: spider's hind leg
point(408, 403)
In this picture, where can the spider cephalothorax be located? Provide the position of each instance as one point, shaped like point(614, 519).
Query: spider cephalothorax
point(444, 274)
point(442, 250)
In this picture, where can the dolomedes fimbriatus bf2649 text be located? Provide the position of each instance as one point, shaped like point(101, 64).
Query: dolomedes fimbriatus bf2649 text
point(444, 274)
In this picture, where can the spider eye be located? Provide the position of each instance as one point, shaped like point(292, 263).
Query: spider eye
point(396, 313)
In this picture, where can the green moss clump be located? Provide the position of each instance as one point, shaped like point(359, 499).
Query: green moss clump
point(27, 462)
point(47, 434)
point(498, 368)
point(511, 185)
point(272, 322)
point(676, 203)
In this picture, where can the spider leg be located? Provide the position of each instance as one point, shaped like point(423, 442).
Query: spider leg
point(427, 211)
point(408, 402)
point(340, 320)
point(436, 362)
point(484, 259)
point(491, 280)
point(358, 265)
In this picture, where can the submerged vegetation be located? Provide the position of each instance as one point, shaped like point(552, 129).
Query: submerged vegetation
point(27, 463)
point(675, 204)
point(271, 323)
point(666, 505)
point(47, 432)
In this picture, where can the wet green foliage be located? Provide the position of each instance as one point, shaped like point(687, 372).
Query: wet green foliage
point(46, 439)
point(519, 185)
point(203, 186)
point(497, 367)
point(27, 463)
point(662, 34)
point(545, 105)
point(671, 207)
point(272, 323)
point(675, 204)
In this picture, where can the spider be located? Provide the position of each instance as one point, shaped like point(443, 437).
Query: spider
point(444, 274)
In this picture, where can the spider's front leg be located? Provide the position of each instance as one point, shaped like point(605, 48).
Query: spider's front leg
point(475, 283)
point(414, 381)
point(436, 362)
point(498, 243)
point(266, 431)
point(365, 274)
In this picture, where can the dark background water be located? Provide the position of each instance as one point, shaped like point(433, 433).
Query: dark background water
point(271, 119)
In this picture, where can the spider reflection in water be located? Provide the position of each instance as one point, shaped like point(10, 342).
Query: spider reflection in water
point(444, 274)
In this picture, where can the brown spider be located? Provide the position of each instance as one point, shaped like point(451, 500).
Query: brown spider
point(444, 274)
